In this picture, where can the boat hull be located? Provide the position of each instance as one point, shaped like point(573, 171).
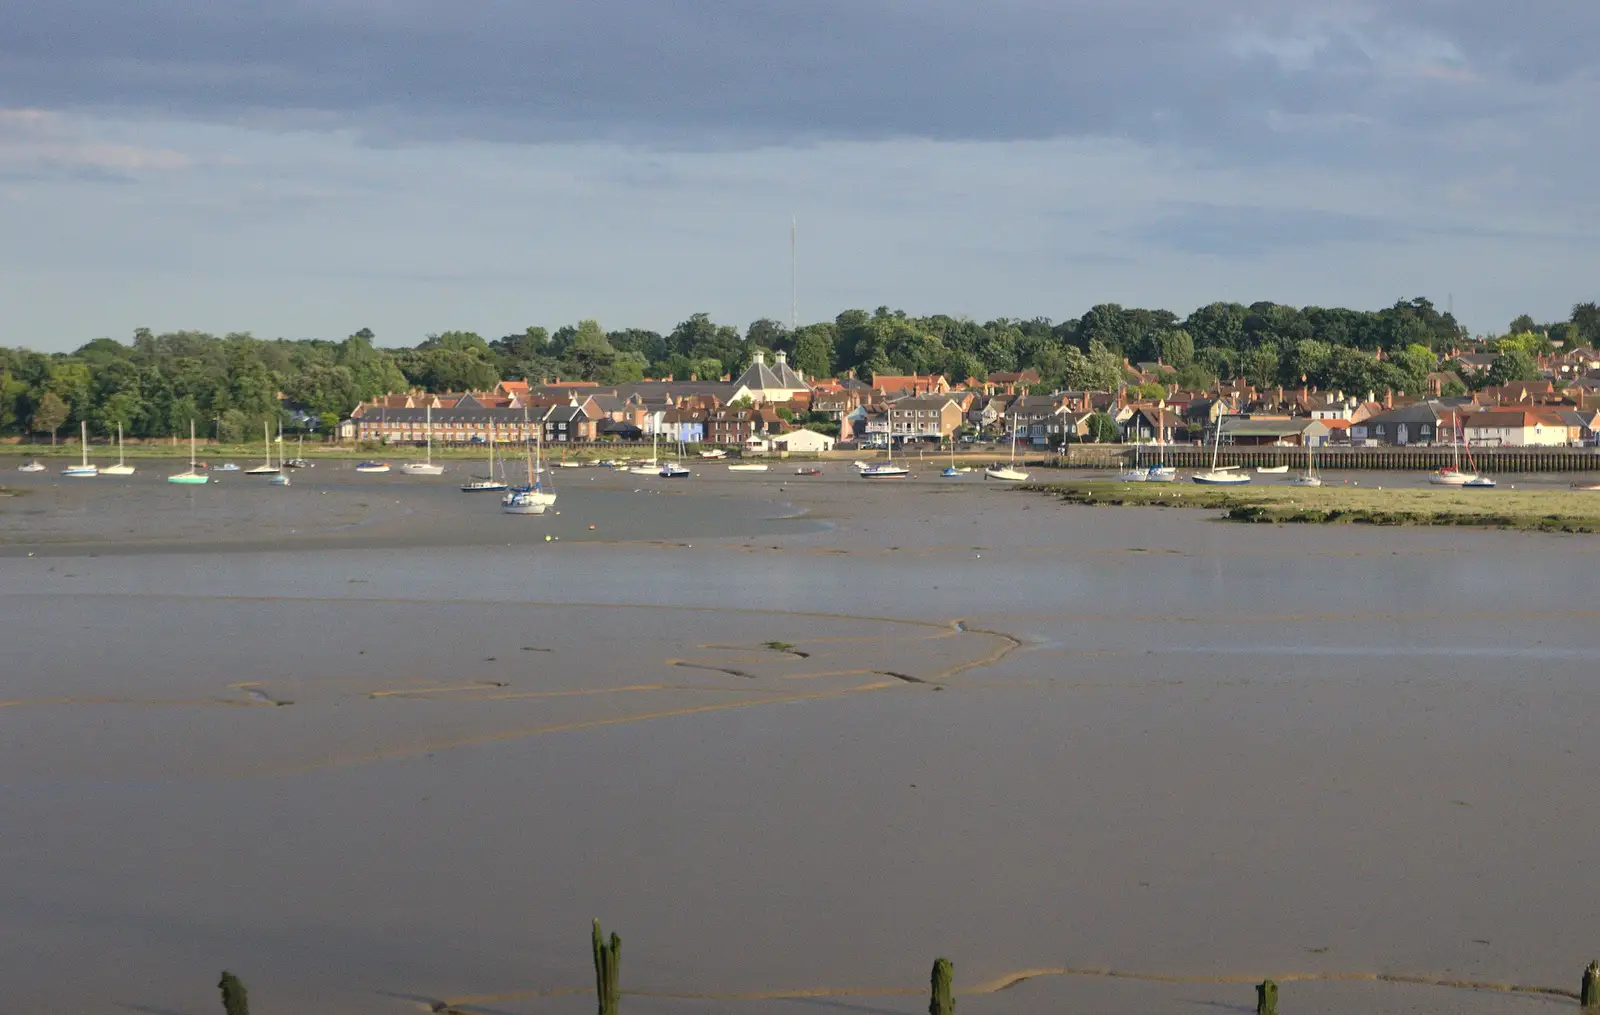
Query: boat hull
point(747, 468)
point(1272, 470)
point(371, 470)
point(117, 470)
point(1305, 481)
point(483, 488)
point(79, 472)
point(885, 472)
point(30, 467)
point(1220, 479)
point(1006, 475)
point(421, 469)
point(189, 479)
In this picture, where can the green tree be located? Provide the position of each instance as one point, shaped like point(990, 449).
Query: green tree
point(1261, 366)
point(49, 415)
point(1512, 364)
point(233, 427)
point(1586, 319)
point(1175, 347)
point(1522, 322)
point(590, 352)
point(1102, 429)
point(813, 350)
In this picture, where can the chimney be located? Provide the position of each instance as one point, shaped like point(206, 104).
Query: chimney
point(1388, 398)
point(1280, 395)
point(760, 357)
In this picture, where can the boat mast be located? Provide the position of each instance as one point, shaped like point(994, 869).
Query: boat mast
point(429, 428)
point(83, 441)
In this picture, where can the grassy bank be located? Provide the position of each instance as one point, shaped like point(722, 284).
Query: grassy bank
point(1535, 510)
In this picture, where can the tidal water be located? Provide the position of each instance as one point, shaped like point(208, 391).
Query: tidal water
point(786, 740)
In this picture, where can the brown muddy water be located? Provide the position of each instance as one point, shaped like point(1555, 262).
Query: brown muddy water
point(374, 746)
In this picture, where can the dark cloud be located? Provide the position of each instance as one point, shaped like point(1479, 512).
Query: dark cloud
point(736, 72)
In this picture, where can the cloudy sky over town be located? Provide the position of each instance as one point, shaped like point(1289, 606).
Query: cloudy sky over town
point(311, 168)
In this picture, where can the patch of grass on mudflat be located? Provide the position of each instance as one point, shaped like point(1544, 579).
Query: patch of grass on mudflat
point(1531, 510)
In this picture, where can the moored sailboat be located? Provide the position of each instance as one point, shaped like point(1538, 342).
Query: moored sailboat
point(122, 468)
point(1009, 473)
point(85, 470)
point(1227, 475)
point(426, 468)
point(485, 484)
point(194, 475)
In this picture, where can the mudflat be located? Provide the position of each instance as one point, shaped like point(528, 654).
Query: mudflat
point(375, 747)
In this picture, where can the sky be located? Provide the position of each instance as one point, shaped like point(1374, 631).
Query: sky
point(309, 168)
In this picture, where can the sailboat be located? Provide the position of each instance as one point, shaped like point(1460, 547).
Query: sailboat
point(1451, 475)
point(485, 484)
point(1161, 472)
point(1134, 473)
point(1309, 477)
point(266, 468)
point(299, 461)
point(194, 475)
point(951, 471)
point(886, 469)
point(531, 499)
point(84, 471)
point(122, 468)
point(1478, 480)
point(649, 468)
point(1224, 476)
point(1009, 473)
point(675, 469)
point(425, 468)
point(33, 466)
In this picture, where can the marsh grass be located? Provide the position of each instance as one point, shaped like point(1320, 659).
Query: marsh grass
point(1531, 510)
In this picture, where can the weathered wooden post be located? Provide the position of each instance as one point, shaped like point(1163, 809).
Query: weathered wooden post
point(607, 960)
point(943, 1001)
point(1589, 996)
point(1267, 998)
point(235, 1000)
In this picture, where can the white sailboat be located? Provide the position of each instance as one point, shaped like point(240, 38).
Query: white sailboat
point(266, 468)
point(886, 469)
point(33, 466)
point(1224, 476)
point(1134, 473)
point(532, 499)
point(1009, 473)
point(122, 468)
point(485, 484)
point(1161, 472)
point(1451, 475)
point(85, 470)
point(194, 475)
point(1308, 477)
point(649, 468)
point(425, 468)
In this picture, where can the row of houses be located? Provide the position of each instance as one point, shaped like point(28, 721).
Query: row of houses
point(761, 402)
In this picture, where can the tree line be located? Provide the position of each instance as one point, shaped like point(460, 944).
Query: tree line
point(228, 385)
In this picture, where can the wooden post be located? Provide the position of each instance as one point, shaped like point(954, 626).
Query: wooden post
point(943, 1001)
point(1267, 998)
point(1589, 996)
point(235, 1000)
point(607, 960)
